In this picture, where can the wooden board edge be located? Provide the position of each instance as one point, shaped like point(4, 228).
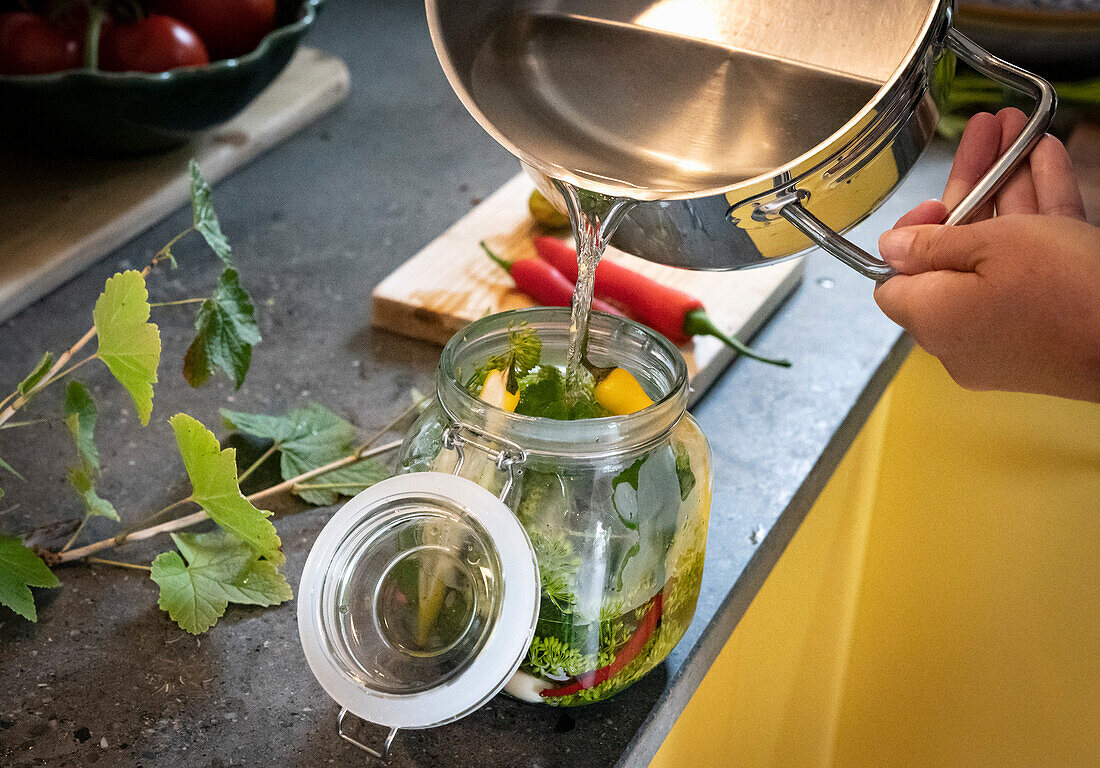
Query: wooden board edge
point(710, 373)
point(390, 315)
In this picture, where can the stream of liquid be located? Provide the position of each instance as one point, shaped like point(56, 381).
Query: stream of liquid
point(594, 218)
point(640, 103)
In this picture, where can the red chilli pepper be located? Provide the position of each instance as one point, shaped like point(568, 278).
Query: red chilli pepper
point(669, 311)
point(539, 281)
point(626, 654)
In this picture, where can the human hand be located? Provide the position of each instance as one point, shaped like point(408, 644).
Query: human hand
point(1011, 301)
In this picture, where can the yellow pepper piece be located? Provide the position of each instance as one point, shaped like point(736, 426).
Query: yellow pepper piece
point(621, 393)
point(495, 391)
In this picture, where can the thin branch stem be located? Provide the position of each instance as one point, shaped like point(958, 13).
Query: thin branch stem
point(310, 486)
point(67, 371)
point(166, 248)
point(252, 467)
point(119, 564)
point(76, 533)
point(195, 300)
point(386, 429)
point(354, 458)
point(59, 364)
point(28, 423)
point(193, 519)
point(158, 514)
point(9, 398)
point(15, 400)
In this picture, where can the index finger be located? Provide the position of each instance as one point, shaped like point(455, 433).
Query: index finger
point(978, 149)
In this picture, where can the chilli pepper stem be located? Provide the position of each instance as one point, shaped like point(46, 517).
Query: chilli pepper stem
point(696, 323)
point(505, 265)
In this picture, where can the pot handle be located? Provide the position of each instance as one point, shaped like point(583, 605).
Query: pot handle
point(791, 208)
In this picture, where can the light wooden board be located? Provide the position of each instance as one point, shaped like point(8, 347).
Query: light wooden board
point(59, 216)
point(451, 282)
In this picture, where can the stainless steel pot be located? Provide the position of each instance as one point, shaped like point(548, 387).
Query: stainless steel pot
point(752, 129)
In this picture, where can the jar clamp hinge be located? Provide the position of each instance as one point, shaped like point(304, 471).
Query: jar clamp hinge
point(457, 436)
point(380, 754)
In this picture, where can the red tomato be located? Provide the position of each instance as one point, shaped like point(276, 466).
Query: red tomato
point(31, 46)
point(153, 44)
point(229, 28)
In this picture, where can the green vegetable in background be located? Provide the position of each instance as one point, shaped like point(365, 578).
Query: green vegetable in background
point(544, 212)
point(969, 92)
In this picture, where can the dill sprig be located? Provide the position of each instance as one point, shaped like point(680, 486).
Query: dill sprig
point(557, 570)
point(523, 354)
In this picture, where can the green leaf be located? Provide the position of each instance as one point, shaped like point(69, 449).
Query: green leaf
point(260, 583)
point(629, 475)
point(213, 474)
point(80, 478)
point(35, 376)
point(9, 468)
point(206, 221)
point(20, 568)
point(683, 471)
point(128, 343)
point(542, 393)
point(307, 438)
point(226, 332)
point(347, 481)
point(80, 417)
point(192, 600)
point(219, 569)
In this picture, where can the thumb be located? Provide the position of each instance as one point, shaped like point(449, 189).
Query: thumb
point(930, 247)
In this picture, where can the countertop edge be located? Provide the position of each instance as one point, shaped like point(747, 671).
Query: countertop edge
point(656, 727)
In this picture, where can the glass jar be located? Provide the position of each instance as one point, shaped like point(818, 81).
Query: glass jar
point(570, 552)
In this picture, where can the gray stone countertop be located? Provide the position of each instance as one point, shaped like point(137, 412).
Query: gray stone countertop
point(106, 678)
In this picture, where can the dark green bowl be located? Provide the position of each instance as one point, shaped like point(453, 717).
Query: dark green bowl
point(129, 113)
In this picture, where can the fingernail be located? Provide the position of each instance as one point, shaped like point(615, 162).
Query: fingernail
point(894, 246)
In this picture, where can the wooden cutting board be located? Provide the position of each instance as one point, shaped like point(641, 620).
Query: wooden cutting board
point(59, 216)
point(451, 282)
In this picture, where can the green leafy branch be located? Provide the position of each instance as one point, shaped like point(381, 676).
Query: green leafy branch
point(238, 562)
point(362, 456)
point(129, 345)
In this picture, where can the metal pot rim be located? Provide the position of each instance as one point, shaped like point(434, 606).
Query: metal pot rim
point(930, 29)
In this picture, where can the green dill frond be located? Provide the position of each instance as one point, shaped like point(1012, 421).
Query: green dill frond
point(523, 354)
point(526, 349)
point(557, 570)
point(550, 657)
point(649, 657)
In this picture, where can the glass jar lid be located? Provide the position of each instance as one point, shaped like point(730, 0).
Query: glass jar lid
point(418, 600)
